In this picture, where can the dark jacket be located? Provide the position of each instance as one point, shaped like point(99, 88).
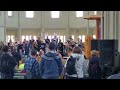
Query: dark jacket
point(17, 56)
point(10, 74)
point(94, 69)
point(50, 65)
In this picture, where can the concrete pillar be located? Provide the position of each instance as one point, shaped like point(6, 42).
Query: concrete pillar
point(67, 28)
point(4, 33)
point(106, 24)
point(19, 28)
point(102, 25)
point(42, 25)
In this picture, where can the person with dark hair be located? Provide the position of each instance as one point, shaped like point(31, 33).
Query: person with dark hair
point(51, 64)
point(31, 67)
point(43, 46)
point(60, 47)
point(7, 64)
point(79, 65)
point(16, 56)
point(47, 41)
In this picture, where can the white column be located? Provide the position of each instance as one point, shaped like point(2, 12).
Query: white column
point(42, 24)
point(4, 28)
point(19, 27)
point(102, 25)
point(67, 28)
point(112, 25)
point(106, 24)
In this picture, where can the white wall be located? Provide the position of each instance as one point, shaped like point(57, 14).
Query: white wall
point(46, 21)
point(30, 22)
point(1, 18)
point(12, 21)
point(1, 33)
point(49, 22)
point(77, 22)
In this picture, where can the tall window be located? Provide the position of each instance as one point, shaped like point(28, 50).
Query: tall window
point(29, 14)
point(64, 39)
point(79, 13)
point(73, 37)
point(35, 38)
point(10, 37)
point(23, 37)
point(95, 12)
point(9, 13)
point(55, 14)
point(94, 36)
point(80, 37)
point(49, 37)
point(83, 38)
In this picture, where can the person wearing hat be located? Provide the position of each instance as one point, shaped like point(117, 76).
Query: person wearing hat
point(51, 64)
point(32, 66)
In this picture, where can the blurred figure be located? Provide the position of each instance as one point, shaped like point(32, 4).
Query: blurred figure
point(60, 47)
point(94, 69)
point(21, 66)
point(31, 66)
point(76, 66)
point(7, 64)
point(16, 56)
point(51, 64)
point(47, 41)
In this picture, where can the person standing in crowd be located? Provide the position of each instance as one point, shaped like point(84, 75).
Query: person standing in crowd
point(38, 44)
point(94, 69)
point(16, 56)
point(26, 49)
point(51, 64)
point(79, 65)
point(47, 41)
point(70, 39)
point(60, 47)
point(31, 67)
point(7, 64)
point(43, 46)
point(55, 40)
point(116, 74)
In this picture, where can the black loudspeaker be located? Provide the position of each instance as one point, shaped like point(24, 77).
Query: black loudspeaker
point(94, 45)
point(108, 52)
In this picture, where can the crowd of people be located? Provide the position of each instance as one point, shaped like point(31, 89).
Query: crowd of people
point(43, 59)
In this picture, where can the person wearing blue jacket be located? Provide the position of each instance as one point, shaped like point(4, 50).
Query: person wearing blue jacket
point(51, 64)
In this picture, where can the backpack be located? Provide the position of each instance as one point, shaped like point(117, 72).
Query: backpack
point(5, 63)
point(29, 72)
point(70, 66)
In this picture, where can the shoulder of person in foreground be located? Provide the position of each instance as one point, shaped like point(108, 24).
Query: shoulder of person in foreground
point(115, 76)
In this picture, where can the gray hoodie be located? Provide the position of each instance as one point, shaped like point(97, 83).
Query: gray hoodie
point(80, 65)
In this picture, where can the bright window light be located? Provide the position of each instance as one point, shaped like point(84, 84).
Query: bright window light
point(55, 14)
point(9, 13)
point(29, 14)
point(94, 36)
point(61, 37)
point(80, 37)
point(79, 13)
point(95, 12)
point(83, 38)
point(64, 39)
point(73, 37)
